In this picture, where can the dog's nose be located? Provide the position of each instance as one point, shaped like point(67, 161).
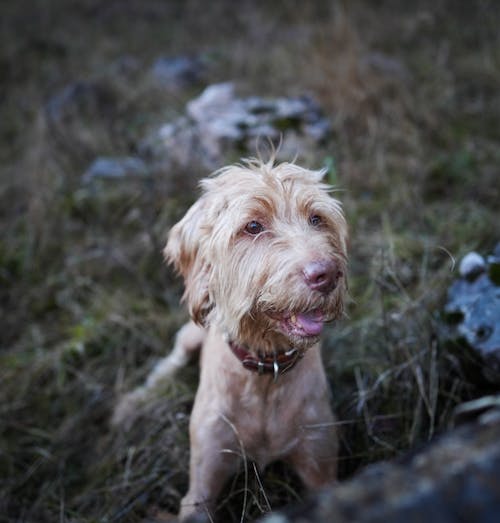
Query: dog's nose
point(322, 275)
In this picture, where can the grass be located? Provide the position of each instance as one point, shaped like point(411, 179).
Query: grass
point(87, 306)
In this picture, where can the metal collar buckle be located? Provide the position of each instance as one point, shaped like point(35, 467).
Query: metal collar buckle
point(278, 363)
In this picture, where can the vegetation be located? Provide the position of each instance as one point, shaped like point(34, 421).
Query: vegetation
point(413, 93)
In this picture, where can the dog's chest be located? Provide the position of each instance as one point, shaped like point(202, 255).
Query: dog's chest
point(267, 420)
point(256, 416)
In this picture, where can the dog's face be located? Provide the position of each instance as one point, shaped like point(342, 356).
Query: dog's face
point(263, 254)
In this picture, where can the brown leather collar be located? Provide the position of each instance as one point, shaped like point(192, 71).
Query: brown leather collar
point(275, 364)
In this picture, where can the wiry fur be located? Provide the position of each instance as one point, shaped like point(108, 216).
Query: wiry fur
point(231, 279)
point(248, 289)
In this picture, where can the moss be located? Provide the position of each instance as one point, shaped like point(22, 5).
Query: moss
point(287, 124)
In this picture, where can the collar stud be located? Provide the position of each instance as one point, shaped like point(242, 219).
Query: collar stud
point(275, 364)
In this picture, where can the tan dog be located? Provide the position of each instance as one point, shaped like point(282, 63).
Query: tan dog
point(263, 257)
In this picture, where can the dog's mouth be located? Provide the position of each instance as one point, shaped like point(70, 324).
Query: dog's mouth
point(301, 324)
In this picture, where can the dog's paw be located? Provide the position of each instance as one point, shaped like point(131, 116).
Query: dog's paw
point(126, 408)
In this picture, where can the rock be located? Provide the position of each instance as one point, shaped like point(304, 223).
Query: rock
point(455, 478)
point(76, 114)
point(82, 96)
point(472, 313)
point(178, 72)
point(116, 168)
point(174, 143)
point(472, 265)
point(472, 409)
point(218, 123)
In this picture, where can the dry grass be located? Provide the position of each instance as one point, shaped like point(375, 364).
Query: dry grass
point(87, 307)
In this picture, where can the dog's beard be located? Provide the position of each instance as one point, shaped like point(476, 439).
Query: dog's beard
point(271, 326)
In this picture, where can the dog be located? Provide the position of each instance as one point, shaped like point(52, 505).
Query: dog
point(263, 255)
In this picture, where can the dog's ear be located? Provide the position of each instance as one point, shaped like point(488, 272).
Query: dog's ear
point(184, 239)
point(184, 250)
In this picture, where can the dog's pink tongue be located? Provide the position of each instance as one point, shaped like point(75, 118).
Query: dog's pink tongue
point(311, 323)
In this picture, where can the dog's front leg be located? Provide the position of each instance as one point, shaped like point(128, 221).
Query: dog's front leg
point(315, 458)
point(188, 342)
point(215, 457)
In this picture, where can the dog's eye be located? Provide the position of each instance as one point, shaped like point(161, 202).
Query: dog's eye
point(315, 220)
point(254, 227)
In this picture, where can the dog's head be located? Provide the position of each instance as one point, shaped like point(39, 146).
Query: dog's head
point(263, 254)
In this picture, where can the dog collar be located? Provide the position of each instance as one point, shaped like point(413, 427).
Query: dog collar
point(276, 364)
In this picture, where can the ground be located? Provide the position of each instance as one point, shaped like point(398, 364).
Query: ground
point(413, 94)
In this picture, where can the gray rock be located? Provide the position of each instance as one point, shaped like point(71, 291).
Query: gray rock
point(116, 168)
point(77, 113)
point(455, 478)
point(472, 265)
point(471, 410)
point(77, 97)
point(218, 123)
point(176, 142)
point(472, 313)
point(178, 72)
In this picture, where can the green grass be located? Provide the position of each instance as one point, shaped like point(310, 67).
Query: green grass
point(87, 304)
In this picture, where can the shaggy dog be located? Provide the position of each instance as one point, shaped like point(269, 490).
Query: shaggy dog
point(263, 257)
